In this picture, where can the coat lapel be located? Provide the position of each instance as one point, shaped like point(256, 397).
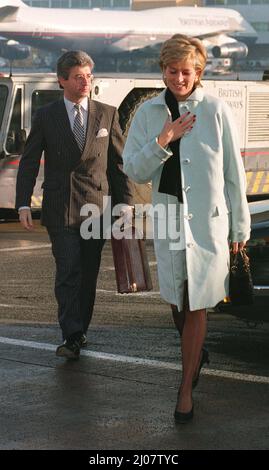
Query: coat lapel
point(94, 118)
point(63, 123)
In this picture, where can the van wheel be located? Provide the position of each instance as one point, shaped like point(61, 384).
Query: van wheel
point(127, 110)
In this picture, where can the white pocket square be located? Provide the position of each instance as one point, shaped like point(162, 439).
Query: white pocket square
point(101, 133)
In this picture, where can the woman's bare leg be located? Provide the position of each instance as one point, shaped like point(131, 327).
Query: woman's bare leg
point(179, 318)
point(192, 340)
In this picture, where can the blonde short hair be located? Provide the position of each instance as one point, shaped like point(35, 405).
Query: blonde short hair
point(181, 48)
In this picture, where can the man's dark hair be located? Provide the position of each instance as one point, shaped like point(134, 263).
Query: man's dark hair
point(71, 59)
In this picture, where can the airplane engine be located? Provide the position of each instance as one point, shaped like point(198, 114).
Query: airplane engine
point(236, 49)
point(13, 50)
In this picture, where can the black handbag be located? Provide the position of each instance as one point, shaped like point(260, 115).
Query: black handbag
point(241, 290)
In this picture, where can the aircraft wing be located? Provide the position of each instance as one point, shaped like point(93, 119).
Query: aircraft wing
point(218, 33)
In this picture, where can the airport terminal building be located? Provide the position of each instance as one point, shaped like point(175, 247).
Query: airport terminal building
point(79, 3)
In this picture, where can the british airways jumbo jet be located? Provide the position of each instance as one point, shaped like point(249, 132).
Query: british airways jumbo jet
point(110, 32)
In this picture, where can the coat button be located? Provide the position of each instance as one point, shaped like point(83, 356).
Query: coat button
point(184, 108)
point(187, 189)
point(189, 216)
point(186, 161)
point(190, 245)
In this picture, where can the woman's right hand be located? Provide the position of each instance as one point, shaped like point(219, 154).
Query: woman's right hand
point(173, 130)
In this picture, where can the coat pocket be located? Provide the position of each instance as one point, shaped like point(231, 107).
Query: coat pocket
point(216, 212)
point(219, 223)
point(220, 210)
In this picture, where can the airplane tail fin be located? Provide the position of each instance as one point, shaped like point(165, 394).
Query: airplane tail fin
point(12, 3)
point(9, 9)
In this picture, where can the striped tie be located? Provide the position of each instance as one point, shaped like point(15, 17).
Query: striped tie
point(78, 128)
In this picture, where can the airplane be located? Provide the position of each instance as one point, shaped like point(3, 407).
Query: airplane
point(108, 33)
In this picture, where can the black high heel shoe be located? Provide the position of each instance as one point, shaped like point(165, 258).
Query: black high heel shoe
point(204, 360)
point(183, 418)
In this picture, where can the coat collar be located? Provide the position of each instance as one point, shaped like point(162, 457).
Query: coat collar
point(70, 104)
point(197, 95)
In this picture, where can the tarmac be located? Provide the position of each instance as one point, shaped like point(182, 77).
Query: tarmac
point(121, 393)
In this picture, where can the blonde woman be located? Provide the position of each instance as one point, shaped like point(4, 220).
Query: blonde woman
point(185, 142)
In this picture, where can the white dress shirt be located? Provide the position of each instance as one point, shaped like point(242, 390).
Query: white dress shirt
point(71, 111)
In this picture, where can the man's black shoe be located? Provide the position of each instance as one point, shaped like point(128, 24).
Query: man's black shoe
point(69, 349)
point(82, 341)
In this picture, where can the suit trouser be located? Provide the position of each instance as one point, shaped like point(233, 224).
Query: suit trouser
point(77, 267)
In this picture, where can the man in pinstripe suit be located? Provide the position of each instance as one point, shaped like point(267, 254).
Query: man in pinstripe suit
point(82, 148)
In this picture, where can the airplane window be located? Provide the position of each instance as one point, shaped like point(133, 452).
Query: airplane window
point(43, 97)
point(3, 99)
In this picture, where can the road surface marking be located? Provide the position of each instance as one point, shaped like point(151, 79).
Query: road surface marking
point(137, 361)
point(17, 306)
point(30, 247)
point(141, 294)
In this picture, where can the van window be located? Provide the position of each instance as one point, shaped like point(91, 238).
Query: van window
point(42, 97)
point(3, 100)
point(13, 143)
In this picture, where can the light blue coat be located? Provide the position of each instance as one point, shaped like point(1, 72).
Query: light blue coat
point(214, 187)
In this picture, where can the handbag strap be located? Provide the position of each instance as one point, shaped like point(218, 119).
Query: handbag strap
point(235, 260)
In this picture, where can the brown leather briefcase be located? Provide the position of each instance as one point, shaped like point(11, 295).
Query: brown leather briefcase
point(131, 264)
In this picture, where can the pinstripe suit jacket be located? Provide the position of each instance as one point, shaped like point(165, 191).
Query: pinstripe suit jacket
point(71, 178)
